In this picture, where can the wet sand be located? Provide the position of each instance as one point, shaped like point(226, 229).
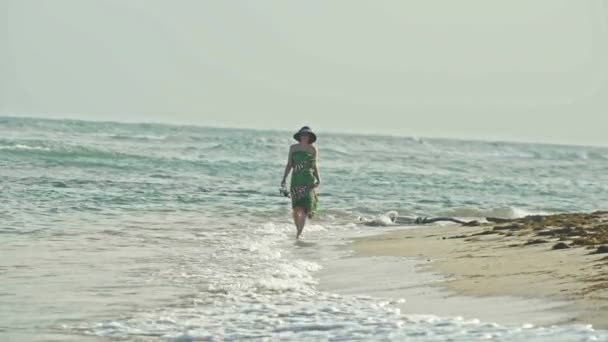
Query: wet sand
point(409, 285)
point(507, 278)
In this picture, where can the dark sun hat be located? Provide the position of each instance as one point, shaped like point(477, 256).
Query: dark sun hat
point(305, 130)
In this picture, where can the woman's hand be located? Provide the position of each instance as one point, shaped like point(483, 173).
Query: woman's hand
point(283, 183)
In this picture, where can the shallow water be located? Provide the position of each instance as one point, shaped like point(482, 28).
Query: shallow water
point(126, 231)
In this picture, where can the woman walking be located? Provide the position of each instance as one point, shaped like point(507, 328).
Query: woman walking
point(305, 177)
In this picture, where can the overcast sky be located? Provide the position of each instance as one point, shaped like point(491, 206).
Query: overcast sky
point(500, 70)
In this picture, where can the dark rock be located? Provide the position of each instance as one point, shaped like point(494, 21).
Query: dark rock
point(498, 220)
point(602, 249)
point(536, 242)
point(472, 224)
point(561, 245)
point(485, 232)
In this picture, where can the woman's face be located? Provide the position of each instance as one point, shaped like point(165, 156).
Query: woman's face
point(305, 138)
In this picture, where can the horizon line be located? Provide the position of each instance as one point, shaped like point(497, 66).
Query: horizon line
point(331, 132)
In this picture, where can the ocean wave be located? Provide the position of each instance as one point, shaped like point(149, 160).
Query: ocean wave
point(595, 156)
point(598, 155)
point(556, 153)
point(515, 151)
point(66, 154)
point(310, 327)
point(211, 147)
point(137, 137)
point(22, 147)
point(160, 176)
point(335, 151)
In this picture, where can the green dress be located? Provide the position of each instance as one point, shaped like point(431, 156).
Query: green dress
point(302, 182)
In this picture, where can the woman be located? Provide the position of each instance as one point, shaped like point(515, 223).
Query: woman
point(305, 178)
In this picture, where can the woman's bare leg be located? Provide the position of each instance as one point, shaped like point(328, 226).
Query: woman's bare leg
point(302, 222)
point(296, 219)
point(299, 217)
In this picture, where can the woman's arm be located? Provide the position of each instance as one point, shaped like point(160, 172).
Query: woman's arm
point(288, 168)
point(316, 171)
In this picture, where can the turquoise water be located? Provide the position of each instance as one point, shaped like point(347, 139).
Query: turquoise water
point(125, 231)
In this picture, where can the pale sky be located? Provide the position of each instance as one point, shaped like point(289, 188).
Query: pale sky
point(526, 70)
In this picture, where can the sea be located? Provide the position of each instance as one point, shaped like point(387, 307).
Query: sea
point(151, 232)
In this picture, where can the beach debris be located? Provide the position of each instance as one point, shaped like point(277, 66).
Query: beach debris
point(512, 226)
point(561, 245)
point(583, 229)
point(588, 241)
point(588, 230)
point(569, 230)
point(393, 218)
point(484, 232)
point(427, 220)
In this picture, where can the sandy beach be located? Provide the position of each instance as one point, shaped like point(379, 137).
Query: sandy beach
point(501, 273)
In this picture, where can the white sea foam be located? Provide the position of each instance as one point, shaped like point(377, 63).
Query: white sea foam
point(505, 212)
point(24, 147)
point(382, 220)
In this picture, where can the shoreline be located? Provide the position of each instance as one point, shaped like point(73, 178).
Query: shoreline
point(408, 284)
point(501, 272)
